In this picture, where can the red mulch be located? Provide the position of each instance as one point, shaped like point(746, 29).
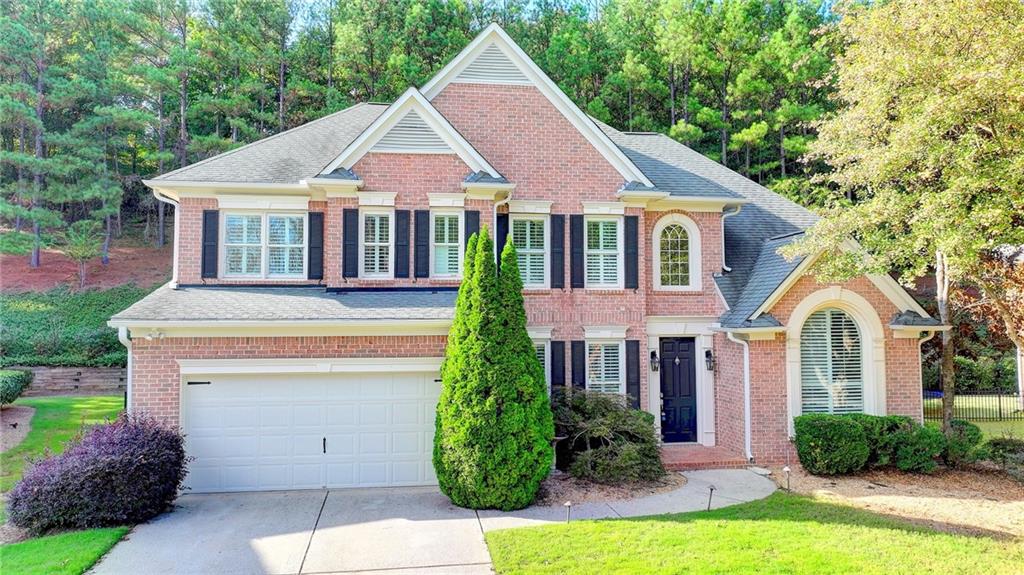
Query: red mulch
point(142, 266)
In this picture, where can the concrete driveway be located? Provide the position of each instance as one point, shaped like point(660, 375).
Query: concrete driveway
point(395, 531)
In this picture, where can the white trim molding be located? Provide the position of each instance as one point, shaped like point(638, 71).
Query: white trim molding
point(446, 200)
point(283, 328)
point(872, 341)
point(376, 198)
point(309, 365)
point(694, 256)
point(494, 35)
point(609, 332)
point(539, 332)
point(412, 99)
point(604, 208)
point(663, 201)
point(529, 206)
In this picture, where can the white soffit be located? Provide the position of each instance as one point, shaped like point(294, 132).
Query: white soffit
point(493, 37)
point(410, 101)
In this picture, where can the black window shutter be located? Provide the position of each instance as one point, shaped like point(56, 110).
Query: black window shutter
point(557, 363)
point(350, 243)
point(421, 251)
point(401, 243)
point(632, 252)
point(557, 251)
point(576, 240)
point(501, 236)
point(579, 370)
point(315, 257)
point(211, 224)
point(472, 224)
point(633, 372)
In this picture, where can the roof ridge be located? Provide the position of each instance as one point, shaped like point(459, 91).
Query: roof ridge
point(262, 140)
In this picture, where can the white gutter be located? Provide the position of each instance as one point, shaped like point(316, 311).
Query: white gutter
point(177, 228)
point(746, 394)
point(739, 208)
point(122, 335)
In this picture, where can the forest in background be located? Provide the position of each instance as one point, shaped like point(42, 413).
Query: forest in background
point(97, 95)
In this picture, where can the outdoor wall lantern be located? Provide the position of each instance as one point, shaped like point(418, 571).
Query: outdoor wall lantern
point(709, 360)
point(655, 363)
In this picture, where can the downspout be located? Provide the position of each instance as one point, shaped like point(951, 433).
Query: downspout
point(746, 394)
point(177, 228)
point(122, 335)
point(739, 208)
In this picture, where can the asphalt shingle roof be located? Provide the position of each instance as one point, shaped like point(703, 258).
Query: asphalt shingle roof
point(284, 158)
point(768, 272)
point(287, 304)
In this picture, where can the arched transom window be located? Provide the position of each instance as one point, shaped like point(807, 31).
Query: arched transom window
point(676, 254)
point(831, 363)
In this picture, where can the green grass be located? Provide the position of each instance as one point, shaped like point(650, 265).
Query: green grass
point(60, 327)
point(57, 419)
point(986, 409)
point(64, 554)
point(1001, 428)
point(784, 533)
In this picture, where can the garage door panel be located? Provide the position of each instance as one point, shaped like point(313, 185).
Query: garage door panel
point(268, 432)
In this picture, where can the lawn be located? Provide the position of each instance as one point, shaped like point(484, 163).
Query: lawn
point(984, 412)
point(784, 533)
point(56, 420)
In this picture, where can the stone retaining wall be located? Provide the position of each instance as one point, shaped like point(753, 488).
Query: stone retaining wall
point(76, 381)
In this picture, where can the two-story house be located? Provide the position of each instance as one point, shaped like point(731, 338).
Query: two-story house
point(299, 340)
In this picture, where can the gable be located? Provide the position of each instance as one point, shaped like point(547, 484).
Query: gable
point(412, 134)
point(487, 59)
point(410, 125)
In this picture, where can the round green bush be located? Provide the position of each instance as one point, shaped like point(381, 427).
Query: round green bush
point(918, 449)
point(963, 443)
point(12, 383)
point(492, 445)
point(830, 444)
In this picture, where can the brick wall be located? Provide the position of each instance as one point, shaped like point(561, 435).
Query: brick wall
point(700, 303)
point(728, 394)
point(156, 385)
point(770, 430)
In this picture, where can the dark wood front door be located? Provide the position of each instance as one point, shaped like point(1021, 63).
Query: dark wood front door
point(678, 389)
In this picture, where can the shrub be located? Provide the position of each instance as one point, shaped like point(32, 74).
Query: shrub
point(607, 441)
point(879, 432)
point(119, 473)
point(12, 383)
point(830, 444)
point(917, 448)
point(963, 443)
point(492, 445)
point(1008, 453)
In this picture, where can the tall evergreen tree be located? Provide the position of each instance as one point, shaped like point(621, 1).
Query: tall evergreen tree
point(492, 445)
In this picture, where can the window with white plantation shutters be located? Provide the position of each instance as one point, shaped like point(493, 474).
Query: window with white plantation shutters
point(528, 239)
point(605, 369)
point(286, 245)
point(540, 349)
point(831, 364)
point(447, 241)
point(243, 245)
point(376, 244)
point(602, 253)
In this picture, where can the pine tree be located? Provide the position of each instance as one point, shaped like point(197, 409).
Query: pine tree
point(492, 445)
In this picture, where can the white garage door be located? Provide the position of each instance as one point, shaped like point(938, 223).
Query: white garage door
point(253, 432)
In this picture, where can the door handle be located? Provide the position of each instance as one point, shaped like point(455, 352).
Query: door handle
point(325, 445)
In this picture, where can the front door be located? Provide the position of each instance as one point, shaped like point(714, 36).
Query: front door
point(678, 390)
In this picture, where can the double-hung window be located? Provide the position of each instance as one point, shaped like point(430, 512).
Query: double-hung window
point(377, 255)
point(540, 348)
point(446, 244)
point(603, 253)
point(606, 367)
point(529, 239)
point(264, 245)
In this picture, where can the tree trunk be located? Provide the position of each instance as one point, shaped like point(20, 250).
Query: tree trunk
point(947, 367)
point(105, 259)
point(81, 275)
point(782, 150)
point(686, 94)
point(183, 96)
point(161, 132)
point(34, 259)
point(330, 46)
point(724, 132)
point(672, 94)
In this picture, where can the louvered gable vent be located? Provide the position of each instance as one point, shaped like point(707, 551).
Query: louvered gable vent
point(492, 66)
point(412, 134)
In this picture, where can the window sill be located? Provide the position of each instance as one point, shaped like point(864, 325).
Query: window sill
point(679, 289)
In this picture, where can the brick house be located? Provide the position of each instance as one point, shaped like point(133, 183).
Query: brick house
point(299, 340)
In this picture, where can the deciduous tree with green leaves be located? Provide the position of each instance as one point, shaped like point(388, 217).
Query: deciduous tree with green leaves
point(492, 444)
point(930, 139)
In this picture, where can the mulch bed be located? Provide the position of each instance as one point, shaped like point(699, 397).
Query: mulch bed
point(979, 500)
point(142, 266)
point(560, 487)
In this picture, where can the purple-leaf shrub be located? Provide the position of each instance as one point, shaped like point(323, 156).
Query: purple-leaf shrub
point(120, 473)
